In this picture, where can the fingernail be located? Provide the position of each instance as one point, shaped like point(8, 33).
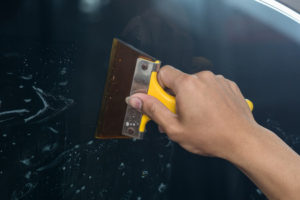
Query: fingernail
point(127, 100)
point(134, 102)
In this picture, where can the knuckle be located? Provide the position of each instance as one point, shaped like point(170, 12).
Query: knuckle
point(172, 130)
point(169, 129)
point(233, 84)
point(152, 108)
point(186, 80)
point(165, 69)
point(220, 76)
point(206, 74)
point(234, 87)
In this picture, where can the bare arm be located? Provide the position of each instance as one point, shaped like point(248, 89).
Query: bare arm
point(271, 164)
point(213, 119)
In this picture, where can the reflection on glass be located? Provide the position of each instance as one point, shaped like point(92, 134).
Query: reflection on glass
point(282, 9)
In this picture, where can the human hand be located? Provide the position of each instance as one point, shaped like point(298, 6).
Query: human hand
point(211, 118)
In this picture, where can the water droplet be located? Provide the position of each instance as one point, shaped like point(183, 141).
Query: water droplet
point(162, 187)
point(27, 100)
point(90, 142)
point(121, 166)
point(145, 173)
point(258, 191)
point(52, 129)
point(28, 175)
point(63, 83)
point(27, 77)
point(63, 70)
point(25, 161)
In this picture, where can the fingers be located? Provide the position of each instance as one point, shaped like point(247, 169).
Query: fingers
point(228, 83)
point(154, 109)
point(204, 75)
point(233, 87)
point(168, 77)
point(225, 83)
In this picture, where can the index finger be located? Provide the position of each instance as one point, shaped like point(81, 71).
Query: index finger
point(168, 76)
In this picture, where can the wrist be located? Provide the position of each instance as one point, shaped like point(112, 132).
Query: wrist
point(271, 164)
point(245, 143)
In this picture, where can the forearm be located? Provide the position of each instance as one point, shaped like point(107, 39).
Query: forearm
point(271, 164)
point(211, 122)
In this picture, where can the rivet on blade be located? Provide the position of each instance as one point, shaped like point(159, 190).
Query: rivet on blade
point(144, 66)
point(130, 130)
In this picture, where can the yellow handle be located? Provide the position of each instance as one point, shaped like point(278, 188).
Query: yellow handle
point(168, 100)
point(250, 104)
point(156, 90)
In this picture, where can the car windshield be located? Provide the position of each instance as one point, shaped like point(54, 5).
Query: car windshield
point(54, 57)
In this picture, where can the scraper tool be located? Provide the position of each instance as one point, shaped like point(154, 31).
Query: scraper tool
point(130, 71)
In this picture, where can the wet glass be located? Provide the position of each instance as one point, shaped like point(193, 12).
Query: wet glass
point(53, 62)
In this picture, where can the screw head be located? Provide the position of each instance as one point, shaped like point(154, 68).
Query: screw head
point(144, 66)
point(130, 130)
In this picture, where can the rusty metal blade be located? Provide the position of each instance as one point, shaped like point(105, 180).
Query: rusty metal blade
point(121, 69)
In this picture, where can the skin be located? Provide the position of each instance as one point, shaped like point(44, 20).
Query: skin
point(213, 119)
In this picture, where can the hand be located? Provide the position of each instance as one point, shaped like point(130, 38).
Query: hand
point(211, 118)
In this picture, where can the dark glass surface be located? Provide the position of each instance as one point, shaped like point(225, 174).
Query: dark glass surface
point(54, 58)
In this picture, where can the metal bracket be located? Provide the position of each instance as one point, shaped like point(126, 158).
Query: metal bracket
point(140, 83)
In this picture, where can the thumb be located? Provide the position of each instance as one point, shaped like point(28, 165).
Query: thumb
point(154, 109)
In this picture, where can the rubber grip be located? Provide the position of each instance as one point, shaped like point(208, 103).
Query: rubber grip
point(158, 92)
